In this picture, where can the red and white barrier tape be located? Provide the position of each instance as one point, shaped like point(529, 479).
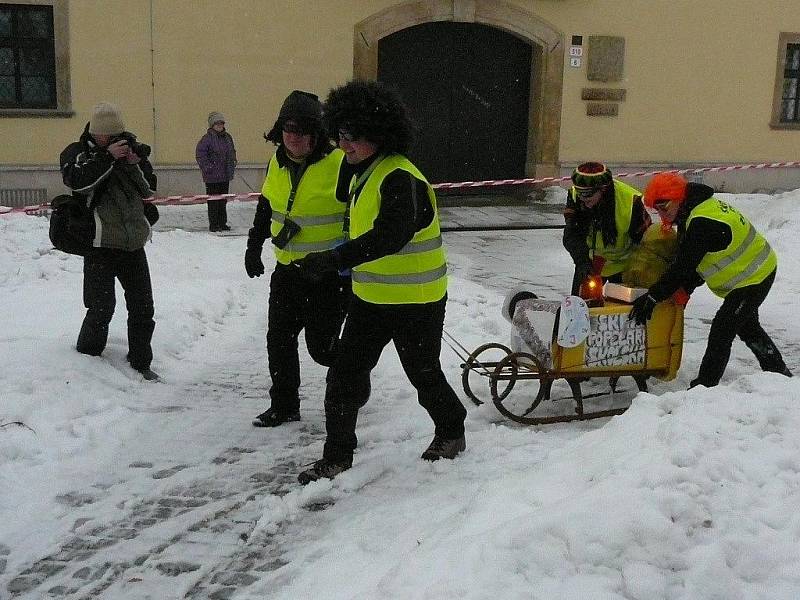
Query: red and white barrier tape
point(202, 198)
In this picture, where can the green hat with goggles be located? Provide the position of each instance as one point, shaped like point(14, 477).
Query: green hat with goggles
point(591, 176)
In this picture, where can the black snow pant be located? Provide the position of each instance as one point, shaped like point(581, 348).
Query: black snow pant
point(295, 303)
point(100, 269)
point(738, 315)
point(416, 330)
point(217, 211)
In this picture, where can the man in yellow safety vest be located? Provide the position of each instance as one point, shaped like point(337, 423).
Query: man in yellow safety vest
point(398, 273)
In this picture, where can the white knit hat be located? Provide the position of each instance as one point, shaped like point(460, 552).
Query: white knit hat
point(215, 117)
point(106, 120)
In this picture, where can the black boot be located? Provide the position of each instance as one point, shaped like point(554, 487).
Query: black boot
point(273, 418)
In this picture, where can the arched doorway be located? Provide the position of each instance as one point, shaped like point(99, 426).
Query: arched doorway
point(546, 63)
point(467, 86)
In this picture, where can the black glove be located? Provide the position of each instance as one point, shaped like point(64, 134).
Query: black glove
point(315, 265)
point(582, 270)
point(642, 309)
point(252, 262)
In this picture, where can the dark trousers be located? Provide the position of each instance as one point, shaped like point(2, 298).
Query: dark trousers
point(100, 269)
point(296, 304)
point(416, 330)
point(217, 211)
point(738, 315)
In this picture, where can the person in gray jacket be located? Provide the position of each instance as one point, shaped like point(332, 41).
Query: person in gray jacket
point(109, 168)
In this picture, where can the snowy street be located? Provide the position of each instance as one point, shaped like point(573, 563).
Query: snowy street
point(116, 488)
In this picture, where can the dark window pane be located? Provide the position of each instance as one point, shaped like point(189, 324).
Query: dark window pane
point(35, 90)
point(793, 57)
point(5, 23)
point(789, 88)
point(788, 110)
point(6, 89)
point(35, 23)
point(27, 56)
point(6, 61)
point(35, 61)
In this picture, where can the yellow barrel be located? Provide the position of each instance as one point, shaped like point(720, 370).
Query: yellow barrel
point(617, 346)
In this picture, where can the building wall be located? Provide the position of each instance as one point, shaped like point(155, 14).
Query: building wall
point(699, 78)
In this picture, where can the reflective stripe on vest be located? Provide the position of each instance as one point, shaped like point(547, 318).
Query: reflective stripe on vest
point(747, 260)
point(617, 255)
point(315, 209)
point(415, 274)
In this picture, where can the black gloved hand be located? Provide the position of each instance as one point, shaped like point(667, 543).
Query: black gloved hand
point(252, 262)
point(642, 309)
point(315, 265)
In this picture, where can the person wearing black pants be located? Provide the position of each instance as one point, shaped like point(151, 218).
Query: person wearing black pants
point(719, 246)
point(738, 316)
point(416, 331)
point(101, 267)
point(298, 212)
point(216, 156)
point(398, 271)
point(297, 304)
point(109, 169)
point(217, 209)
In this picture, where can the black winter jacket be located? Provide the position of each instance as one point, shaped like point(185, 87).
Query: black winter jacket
point(116, 189)
point(702, 236)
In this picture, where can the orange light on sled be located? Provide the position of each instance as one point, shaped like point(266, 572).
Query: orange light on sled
point(591, 290)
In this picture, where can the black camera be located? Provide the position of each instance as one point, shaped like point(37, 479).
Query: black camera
point(287, 232)
point(138, 148)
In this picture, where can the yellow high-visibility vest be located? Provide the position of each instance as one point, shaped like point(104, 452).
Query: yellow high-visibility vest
point(315, 208)
point(617, 254)
point(747, 260)
point(415, 274)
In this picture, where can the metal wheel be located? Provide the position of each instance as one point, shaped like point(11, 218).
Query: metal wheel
point(514, 367)
point(481, 364)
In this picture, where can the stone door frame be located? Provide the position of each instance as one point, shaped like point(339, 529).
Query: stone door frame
point(547, 63)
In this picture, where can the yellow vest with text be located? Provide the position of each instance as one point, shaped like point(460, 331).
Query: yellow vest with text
point(315, 209)
point(747, 260)
point(618, 254)
point(415, 274)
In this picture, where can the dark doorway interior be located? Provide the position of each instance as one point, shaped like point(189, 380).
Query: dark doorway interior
point(468, 88)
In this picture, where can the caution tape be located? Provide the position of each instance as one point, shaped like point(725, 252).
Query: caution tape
point(202, 198)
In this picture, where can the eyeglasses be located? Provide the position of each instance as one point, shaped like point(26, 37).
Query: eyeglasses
point(584, 193)
point(661, 204)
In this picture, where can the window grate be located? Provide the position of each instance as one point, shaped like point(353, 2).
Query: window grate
point(790, 101)
point(22, 196)
point(27, 56)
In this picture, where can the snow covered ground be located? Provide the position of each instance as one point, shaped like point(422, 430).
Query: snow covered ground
point(116, 488)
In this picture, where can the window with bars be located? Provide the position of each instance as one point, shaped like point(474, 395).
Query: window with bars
point(27, 57)
point(786, 105)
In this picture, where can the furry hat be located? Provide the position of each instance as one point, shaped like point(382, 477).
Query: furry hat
point(304, 108)
point(215, 117)
point(371, 110)
point(591, 175)
point(106, 120)
point(665, 186)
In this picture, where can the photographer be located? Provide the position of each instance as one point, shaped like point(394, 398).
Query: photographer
point(109, 169)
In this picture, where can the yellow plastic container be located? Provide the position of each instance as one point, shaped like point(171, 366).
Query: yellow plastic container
point(616, 346)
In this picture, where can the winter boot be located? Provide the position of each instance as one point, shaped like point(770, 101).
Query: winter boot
point(273, 418)
point(148, 374)
point(322, 469)
point(444, 448)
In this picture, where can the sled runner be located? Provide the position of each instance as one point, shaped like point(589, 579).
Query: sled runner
point(582, 345)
